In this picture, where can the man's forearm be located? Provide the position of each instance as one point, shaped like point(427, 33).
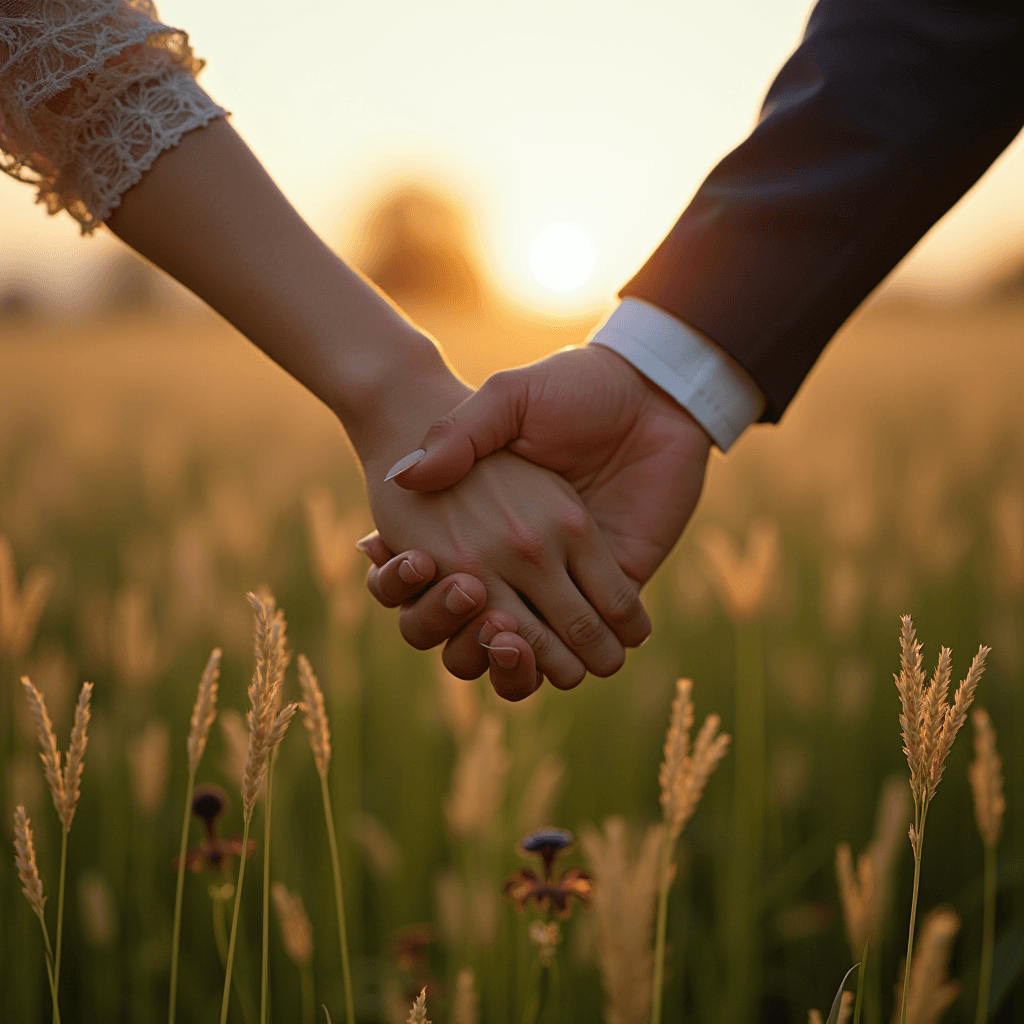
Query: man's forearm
point(210, 215)
point(882, 118)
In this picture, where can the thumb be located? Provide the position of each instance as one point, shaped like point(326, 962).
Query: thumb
point(486, 421)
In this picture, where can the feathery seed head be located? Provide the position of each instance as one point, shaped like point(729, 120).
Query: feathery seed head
point(266, 722)
point(986, 778)
point(49, 753)
point(76, 752)
point(857, 894)
point(314, 715)
point(464, 1005)
point(204, 711)
point(930, 993)
point(741, 580)
point(149, 757)
point(296, 931)
point(418, 1013)
point(929, 723)
point(683, 775)
point(25, 862)
point(478, 780)
point(625, 900)
point(20, 611)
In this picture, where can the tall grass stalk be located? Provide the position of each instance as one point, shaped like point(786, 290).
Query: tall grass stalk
point(748, 827)
point(60, 909)
point(203, 713)
point(665, 874)
point(682, 776)
point(264, 973)
point(339, 901)
point(179, 896)
point(988, 935)
point(234, 924)
point(314, 717)
point(860, 983)
point(929, 726)
point(986, 778)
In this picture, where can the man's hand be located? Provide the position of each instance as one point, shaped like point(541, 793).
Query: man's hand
point(634, 455)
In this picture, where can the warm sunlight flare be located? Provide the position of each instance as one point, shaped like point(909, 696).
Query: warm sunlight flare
point(562, 257)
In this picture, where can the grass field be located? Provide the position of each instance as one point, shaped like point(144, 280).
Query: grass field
point(159, 470)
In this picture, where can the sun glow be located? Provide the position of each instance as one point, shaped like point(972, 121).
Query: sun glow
point(562, 257)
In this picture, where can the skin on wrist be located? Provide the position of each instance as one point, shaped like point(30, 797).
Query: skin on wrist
point(210, 215)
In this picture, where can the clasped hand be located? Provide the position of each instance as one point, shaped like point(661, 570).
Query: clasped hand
point(541, 560)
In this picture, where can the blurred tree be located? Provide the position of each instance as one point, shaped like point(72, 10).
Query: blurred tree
point(416, 244)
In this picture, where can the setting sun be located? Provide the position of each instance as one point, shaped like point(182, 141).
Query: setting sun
point(562, 257)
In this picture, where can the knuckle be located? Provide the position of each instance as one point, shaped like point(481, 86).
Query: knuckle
point(526, 543)
point(623, 602)
point(574, 521)
point(540, 639)
point(585, 629)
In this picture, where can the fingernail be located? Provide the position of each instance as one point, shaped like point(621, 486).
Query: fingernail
point(457, 601)
point(645, 639)
point(485, 634)
point(405, 463)
point(505, 657)
point(364, 544)
point(408, 572)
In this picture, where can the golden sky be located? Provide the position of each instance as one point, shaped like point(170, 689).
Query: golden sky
point(599, 113)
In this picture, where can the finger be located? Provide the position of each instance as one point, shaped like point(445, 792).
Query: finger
point(464, 656)
point(441, 611)
point(613, 595)
point(514, 675)
point(401, 578)
point(375, 549)
point(483, 423)
point(405, 576)
point(553, 657)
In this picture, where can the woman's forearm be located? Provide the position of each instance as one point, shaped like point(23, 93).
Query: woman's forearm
point(211, 216)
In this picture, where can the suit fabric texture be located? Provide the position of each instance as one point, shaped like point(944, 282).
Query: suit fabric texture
point(884, 116)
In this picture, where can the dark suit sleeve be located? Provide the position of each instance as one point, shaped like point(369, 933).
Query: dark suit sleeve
point(879, 122)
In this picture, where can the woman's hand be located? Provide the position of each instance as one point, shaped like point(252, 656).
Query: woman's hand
point(446, 613)
point(520, 529)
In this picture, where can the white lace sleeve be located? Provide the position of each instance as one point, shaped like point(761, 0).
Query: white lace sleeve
point(91, 93)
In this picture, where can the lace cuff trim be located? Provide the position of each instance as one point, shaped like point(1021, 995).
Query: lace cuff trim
point(91, 92)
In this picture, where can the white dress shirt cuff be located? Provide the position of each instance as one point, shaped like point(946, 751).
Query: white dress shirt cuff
point(709, 384)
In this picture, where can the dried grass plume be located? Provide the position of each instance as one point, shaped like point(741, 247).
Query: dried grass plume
point(986, 777)
point(418, 1013)
point(64, 786)
point(20, 610)
point(864, 891)
point(266, 718)
point(464, 1004)
point(478, 780)
point(314, 715)
point(624, 903)
point(931, 993)
point(929, 722)
point(204, 711)
point(683, 775)
point(25, 861)
point(741, 580)
point(296, 930)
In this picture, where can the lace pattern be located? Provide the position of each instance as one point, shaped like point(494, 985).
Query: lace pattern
point(91, 92)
